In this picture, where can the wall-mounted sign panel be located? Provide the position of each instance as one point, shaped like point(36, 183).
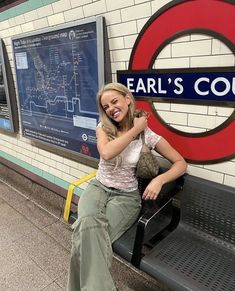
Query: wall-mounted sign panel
point(202, 86)
point(58, 75)
point(7, 95)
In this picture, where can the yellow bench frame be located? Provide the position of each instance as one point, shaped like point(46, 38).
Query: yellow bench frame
point(71, 188)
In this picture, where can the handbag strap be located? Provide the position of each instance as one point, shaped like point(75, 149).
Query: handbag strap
point(143, 137)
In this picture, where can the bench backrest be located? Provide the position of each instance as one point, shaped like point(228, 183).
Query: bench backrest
point(209, 207)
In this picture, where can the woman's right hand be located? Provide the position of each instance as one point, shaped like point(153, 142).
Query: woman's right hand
point(140, 123)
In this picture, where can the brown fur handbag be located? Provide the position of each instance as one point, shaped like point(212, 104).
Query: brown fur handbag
point(148, 165)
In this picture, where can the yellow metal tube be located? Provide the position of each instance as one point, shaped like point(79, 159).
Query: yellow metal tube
point(71, 188)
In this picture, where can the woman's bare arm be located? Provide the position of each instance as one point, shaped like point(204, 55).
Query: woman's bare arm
point(177, 169)
point(110, 149)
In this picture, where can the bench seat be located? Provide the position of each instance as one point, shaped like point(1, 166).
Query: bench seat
point(200, 253)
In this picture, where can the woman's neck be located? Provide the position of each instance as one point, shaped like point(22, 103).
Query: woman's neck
point(123, 127)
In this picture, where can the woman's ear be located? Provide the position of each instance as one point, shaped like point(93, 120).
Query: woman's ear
point(128, 99)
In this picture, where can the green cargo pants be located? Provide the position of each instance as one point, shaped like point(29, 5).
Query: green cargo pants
point(104, 214)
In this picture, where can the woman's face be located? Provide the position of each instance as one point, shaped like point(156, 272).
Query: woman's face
point(115, 105)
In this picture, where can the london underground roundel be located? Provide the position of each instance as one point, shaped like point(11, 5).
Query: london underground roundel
point(178, 18)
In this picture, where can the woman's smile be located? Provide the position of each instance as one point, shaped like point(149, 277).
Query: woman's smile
point(115, 114)
point(115, 105)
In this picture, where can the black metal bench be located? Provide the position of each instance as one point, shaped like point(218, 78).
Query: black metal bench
point(199, 254)
point(185, 239)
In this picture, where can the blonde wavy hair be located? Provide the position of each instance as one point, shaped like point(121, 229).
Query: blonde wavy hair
point(110, 126)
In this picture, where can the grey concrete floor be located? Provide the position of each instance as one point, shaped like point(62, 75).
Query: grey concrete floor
point(35, 248)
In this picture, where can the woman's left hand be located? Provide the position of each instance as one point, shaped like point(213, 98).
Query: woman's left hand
point(153, 189)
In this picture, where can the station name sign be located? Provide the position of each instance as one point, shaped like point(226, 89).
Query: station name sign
point(187, 86)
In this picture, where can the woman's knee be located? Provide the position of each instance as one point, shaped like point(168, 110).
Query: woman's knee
point(92, 203)
point(92, 209)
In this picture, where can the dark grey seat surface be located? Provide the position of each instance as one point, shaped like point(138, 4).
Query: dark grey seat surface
point(124, 246)
point(200, 253)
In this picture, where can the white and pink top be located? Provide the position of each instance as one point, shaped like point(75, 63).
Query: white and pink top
point(119, 172)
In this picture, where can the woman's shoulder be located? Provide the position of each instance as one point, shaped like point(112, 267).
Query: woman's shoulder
point(149, 131)
point(151, 137)
point(100, 127)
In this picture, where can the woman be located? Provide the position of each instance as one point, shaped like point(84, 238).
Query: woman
point(111, 203)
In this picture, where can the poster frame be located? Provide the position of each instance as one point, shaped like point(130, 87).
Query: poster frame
point(100, 33)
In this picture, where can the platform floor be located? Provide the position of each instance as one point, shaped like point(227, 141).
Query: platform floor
point(35, 248)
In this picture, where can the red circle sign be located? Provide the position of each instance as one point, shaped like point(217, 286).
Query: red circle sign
point(183, 16)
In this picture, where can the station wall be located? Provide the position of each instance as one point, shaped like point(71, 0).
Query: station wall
point(124, 21)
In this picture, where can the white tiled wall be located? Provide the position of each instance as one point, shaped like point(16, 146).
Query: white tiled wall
point(124, 20)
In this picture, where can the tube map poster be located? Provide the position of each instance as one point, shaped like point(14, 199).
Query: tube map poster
point(58, 76)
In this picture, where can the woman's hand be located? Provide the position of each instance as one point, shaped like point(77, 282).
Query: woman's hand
point(177, 169)
point(153, 189)
point(140, 123)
